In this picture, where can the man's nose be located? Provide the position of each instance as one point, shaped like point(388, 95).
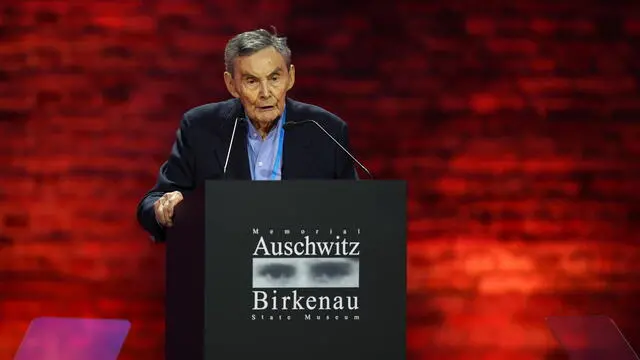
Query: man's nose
point(264, 90)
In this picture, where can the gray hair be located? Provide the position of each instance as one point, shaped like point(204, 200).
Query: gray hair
point(250, 42)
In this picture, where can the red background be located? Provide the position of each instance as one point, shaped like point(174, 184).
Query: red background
point(515, 123)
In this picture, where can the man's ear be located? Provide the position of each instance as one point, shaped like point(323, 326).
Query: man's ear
point(292, 76)
point(228, 81)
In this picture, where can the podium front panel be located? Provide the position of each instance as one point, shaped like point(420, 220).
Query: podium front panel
point(305, 270)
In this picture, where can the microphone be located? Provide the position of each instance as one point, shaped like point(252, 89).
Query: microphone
point(289, 125)
point(233, 135)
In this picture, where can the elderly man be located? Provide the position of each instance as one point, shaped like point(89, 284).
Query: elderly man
point(244, 137)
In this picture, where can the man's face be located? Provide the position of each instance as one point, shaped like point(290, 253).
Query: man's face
point(261, 82)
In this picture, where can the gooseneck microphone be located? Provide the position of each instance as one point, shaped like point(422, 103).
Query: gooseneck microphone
point(233, 135)
point(289, 125)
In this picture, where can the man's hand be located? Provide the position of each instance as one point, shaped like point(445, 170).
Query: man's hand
point(164, 206)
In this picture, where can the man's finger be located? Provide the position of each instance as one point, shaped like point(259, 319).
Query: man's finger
point(167, 206)
point(171, 204)
point(165, 213)
point(160, 213)
point(168, 210)
point(174, 199)
point(162, 210)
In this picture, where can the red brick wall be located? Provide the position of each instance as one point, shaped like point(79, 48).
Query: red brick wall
point(517, 127)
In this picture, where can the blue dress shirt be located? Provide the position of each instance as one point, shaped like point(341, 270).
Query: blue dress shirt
point(263, 153)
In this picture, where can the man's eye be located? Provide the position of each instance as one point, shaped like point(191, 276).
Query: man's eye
point(330, 270)
point(277, 271)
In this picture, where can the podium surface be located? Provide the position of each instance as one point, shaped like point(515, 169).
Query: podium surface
point(288, 270)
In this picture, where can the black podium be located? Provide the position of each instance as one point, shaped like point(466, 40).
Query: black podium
point(297, 269)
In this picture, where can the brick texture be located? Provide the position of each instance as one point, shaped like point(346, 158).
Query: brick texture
point(517, 127)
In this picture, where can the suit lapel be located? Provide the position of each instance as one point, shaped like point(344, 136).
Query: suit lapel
point(238, 167)
point(295, 147)
point(239, 161)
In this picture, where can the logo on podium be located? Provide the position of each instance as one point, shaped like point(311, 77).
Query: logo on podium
point(306, 274)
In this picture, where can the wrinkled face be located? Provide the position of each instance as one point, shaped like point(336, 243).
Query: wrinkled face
point(261, 82)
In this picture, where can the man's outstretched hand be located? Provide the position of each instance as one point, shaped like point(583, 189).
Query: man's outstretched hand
point(164, 206)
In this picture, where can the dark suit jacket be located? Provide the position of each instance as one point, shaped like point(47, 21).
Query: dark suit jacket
point(202, 142)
